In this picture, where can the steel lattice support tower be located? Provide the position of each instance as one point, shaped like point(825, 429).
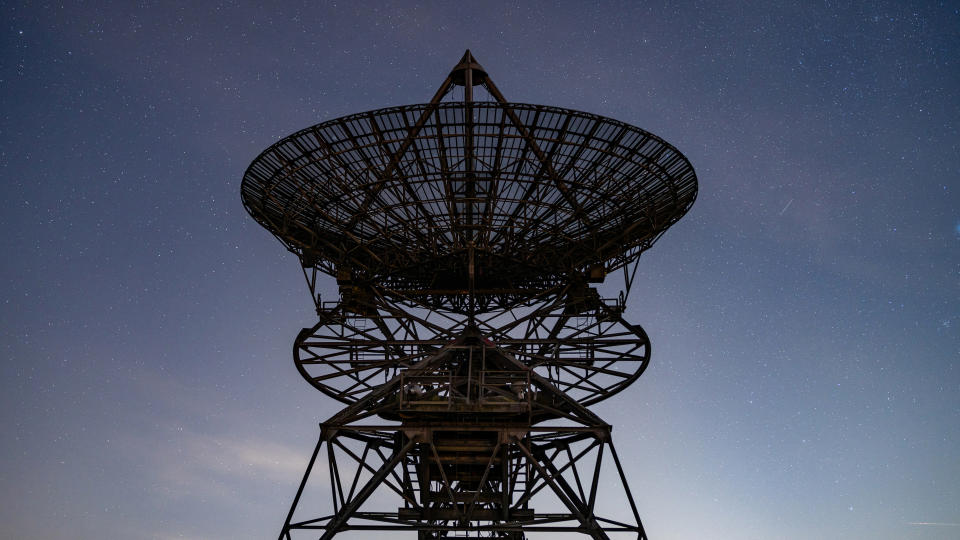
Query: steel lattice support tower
point(468, 342)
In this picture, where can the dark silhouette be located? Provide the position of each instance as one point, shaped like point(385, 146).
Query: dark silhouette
point(468, 342)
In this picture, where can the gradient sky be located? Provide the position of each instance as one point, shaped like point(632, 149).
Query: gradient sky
point(805, 315)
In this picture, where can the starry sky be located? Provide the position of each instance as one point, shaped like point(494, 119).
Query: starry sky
point(805, 315)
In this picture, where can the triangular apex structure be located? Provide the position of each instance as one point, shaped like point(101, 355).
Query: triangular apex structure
point(465, 452)
point(468, 73)
point(468, 340)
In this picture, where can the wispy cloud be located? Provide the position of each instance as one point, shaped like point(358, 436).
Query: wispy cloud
point(210, 455)
point(217, 467)
point(933, 524)
point(188, 462)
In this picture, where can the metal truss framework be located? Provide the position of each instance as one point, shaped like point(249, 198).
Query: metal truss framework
point(468, 342)
point(582, 346)
point(469, 205)
point(482, 477)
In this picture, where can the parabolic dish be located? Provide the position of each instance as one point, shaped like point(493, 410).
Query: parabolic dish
point(421, 197)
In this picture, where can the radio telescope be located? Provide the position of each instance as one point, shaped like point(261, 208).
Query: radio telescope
point(466, 236)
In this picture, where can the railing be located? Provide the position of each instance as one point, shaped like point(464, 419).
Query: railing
point(504, 387)
point(482, 391)
point(426, 391)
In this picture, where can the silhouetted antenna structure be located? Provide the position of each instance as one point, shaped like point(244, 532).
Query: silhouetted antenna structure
point(468, 340)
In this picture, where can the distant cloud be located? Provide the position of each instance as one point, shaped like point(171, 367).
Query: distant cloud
point(933, 524)
point(209, 465)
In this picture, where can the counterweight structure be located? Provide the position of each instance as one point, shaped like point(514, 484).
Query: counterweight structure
point(466, 236)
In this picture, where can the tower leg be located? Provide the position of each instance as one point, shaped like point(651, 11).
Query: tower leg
point(285, 533)
point(347, 511)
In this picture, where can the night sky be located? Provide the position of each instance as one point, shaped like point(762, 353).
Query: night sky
point(804, 316)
